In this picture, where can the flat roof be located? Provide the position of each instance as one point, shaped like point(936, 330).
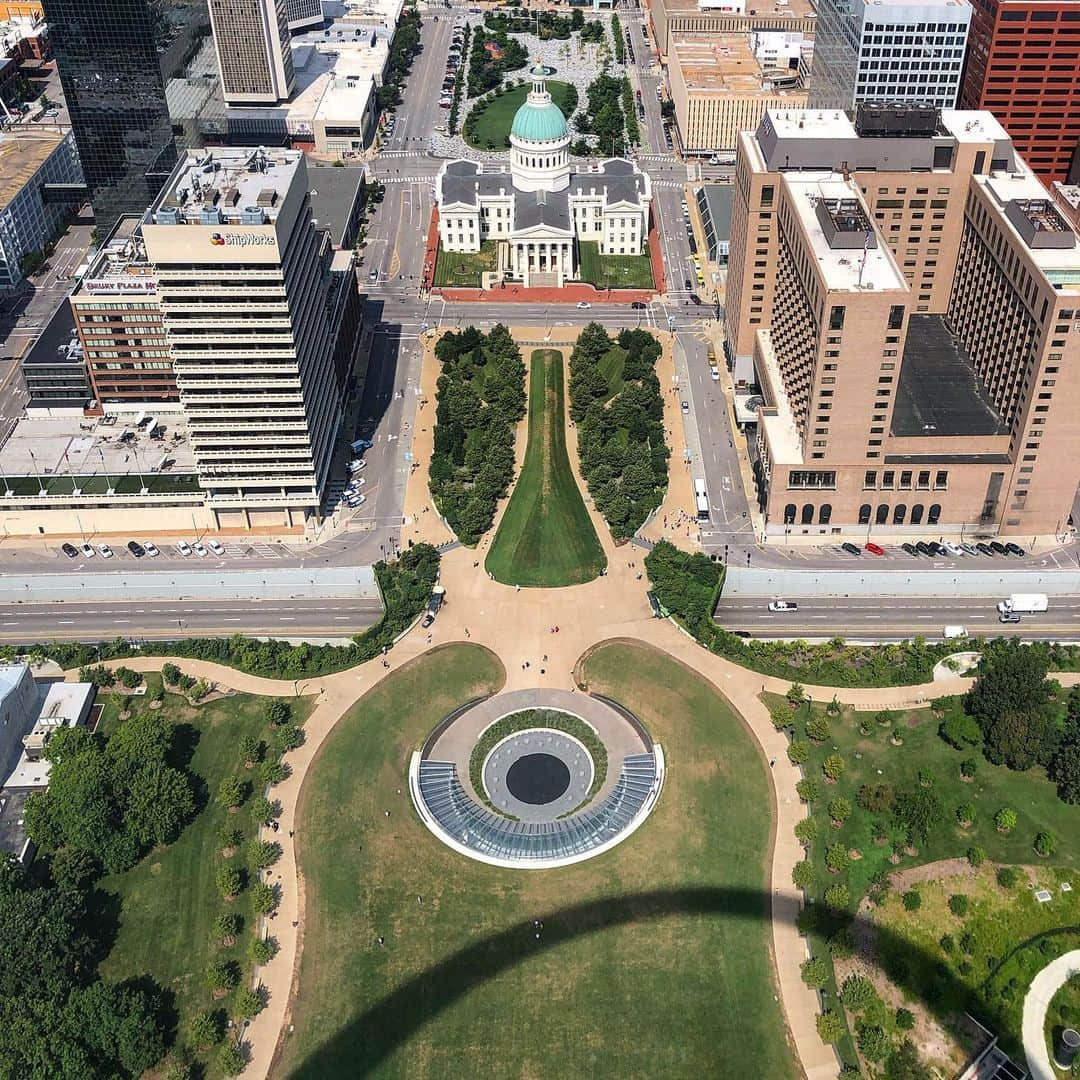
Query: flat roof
point(939, 392)
point(22, 153)
point(334, 193)
point(48, 446)
point(785, 446)
point(843, 269)
point(12, 830)
point(797, 9)
point(120, 267)
point(725, 64)
point(718, 199)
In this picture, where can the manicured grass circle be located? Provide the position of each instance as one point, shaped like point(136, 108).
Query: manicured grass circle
point(493, 118)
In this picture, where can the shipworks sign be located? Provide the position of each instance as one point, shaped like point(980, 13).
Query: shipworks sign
point(243, 239)
point(173, 245)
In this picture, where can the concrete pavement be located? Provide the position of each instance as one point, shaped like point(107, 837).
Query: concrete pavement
point(1043, 988)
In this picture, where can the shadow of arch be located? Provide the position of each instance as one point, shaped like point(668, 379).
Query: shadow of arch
point(372, 1037)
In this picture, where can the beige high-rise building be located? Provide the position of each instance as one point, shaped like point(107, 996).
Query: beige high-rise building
point(251, 38)
point(907, 299)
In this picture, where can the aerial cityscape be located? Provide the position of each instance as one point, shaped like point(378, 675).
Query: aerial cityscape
point(539, 539)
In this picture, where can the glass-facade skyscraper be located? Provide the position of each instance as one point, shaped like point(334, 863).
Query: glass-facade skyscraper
point(108, 62)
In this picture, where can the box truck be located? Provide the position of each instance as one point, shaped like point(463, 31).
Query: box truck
point(1023, 604)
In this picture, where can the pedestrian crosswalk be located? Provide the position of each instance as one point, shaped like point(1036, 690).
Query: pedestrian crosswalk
point(395, 179)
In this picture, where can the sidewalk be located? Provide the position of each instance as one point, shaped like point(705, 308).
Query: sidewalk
point(1043, 988)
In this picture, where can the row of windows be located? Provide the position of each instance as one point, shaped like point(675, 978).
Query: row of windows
point(888, 478)
point(899, 514)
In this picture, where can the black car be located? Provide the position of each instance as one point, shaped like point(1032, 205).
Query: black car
point(851, 549)
point(1015, 549)
point(70, 550)
point(689, 284)
point(136, 549)
point(923, 548)
point(998, 549)
point(911, 549)
point(984, 549)
point(936, 548)
point(695, 299)
point(639, 305)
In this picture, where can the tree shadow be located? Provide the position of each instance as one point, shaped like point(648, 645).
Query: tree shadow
point(373, 1036)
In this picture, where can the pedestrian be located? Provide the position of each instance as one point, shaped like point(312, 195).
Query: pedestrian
point(544, 658)
point(772, 763)
point(466, 631)
point(419, 898)
point(290, 834)
point(387, 813)
point(517, 588)
point(381, 940)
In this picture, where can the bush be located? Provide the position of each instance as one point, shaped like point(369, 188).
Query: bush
point(976, 856)
point(1005, 820)
point(912, 900)
point(947, 943)
point(808, 919)
point(796, 695)
point(818, 729)
point(798, 752)
point(1045, 843)
point(833, 766)
point(919, 812)
point(263, 950)
point(960, 731)
point(232, 792)
point(205, 1029)
point(968, 768)
point(1008, 876)
point(229, 835)
point(263, 898)
point(226, 925)
point(965, 814)
point(833, 708)
point(808, 789)
point(839, 809)
point(286, 737)
point(231, 1060)
point(264, 853)
point(858, 993)
point(128, 679)
point(838, 896)
point(802, 874)
point(247, 1003)
point(272, 772)
point(782, 716)
point(277, 712)
point(815, 972)
point(905, 1019)
point(806, 830)
point(836, 857)
point(251, 749)
point(170, 673)
point(842, 943)
point(959, 905)
point(885, 717)
point(264, 811)
point(876, 798)
point(229, 881)
point(222, 974)
point(830, 1027)
point(872, 1041)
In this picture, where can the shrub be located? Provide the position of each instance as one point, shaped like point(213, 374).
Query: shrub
point(806, 830)
point(199, 689)
point(231, 1060)
point(1005, 820)
point(798, 752)
point(839, 809)
point(976, 856)
point(247, 1003)
point(287, 737)
point(872, 1040)
point(818, 729)
point(838, 896)
point(959, 905)
point(926, 778)
point(965, 814)
point(277, 711)
point(905, 1019)
point(833, 766)
point(226, 925)
point(815, 972)
point(263, 950)
point(232, 792)
point(251, 750)
point(1045, 843)
point(836, 857)
point(808, 920)
point(263, 898)
point(272, 772)
point(263, 853)
point(796, 695)
point(229, 882)
point(968, 767)
point(967, 943)
point(875, 798)
point(782, 716)
point(885, 717)
point(897, 735)
point(170, 673)
point(128, 679)
point(842, 943)
point(833, 708)
point(222, 974)
point(264, 811)
point(947, 943)
point(1007, 876)
point(960, 730)
point(205, 1029)
point(912, 900)
point(830, 1027)
point(808, 789)
point(858, 993)
point(229, 836)
point(802, 874)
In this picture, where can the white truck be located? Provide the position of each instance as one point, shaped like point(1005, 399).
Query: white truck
point(1023, 604)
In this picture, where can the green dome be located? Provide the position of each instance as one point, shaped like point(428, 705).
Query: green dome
point(539, 123)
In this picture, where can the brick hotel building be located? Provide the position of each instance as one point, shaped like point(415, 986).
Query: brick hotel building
point(907, 299)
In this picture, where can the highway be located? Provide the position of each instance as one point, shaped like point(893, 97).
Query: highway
point(104, 620)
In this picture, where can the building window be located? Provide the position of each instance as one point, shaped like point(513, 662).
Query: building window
point(899, 513)
point(825, 514)
point(916, 514)
point(882, 515)
point(935, 514)
point(870, 478)
point(789, 514)
point(808, 514)
point(836, 317)
point(864, 514)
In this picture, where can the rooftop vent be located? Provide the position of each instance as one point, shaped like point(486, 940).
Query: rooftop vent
point(167, 215)
point(845, 224)
point(1040, 224)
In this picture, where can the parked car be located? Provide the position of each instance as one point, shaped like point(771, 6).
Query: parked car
point(215, 547)
point(136, 549)
point(184, 548)
point(874, 549)
point(998, 548)
point(911, 549)
point(851, 549)
point(150, 549)
point(984, 549)
point(936, 548)
point(1015, 549)
point(783, 605)
point(685, 407)
point(70, 550)
point(106, 551)
point(357, 464)
point(200, 549)
point(714, 374)
point(88, 551)
point(638, 305)
point(951, 548)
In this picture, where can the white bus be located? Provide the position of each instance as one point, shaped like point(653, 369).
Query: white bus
point(701, 497)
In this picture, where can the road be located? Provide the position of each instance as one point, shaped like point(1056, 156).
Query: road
point(863, 618)
point(102, 621)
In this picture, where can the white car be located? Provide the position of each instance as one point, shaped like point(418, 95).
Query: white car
point(199, 549)
point(356, 482)
point(686, 408)
point(783, 605)
point(184, 548)
point(150, 550)
point(715, 374)
point(583, 305)
point(355, 500)
point(951, 548)
point(88, 551)
point(215, 547)
point(106, 551)
point(357, 464)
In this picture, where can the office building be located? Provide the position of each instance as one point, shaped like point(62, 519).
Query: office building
point(878, 50)
point(111, 77)
point(722, 84)
point(251, 38)
point(32, 214)
point(303, 14)
point(905, 299)
point(245, 286)
point(1022, 66)
point(668, 17)
point(119, 324)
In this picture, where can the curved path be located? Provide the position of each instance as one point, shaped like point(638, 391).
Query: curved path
point(520, 628)
point(1043, 988)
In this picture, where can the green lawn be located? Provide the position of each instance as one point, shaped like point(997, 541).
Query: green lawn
point(463, 268)
point(488, 125)
point(546, 538)
point(168, 901)
point(614, 271)
point(656, 956)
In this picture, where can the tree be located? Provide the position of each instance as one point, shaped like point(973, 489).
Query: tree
point(808, 789)
point(858, 993)
point(965, 814)
point(251, 750)
point(796, 695)
point(159, 803)
point(872, 1040)
point(798, 752)
point(958, 905)
point(226, 927)
point(264, 853)
point(919, 812)
point(1008, 876)
point(287, 737)
point(960, 730)
point(1064, 770)
point(263, 898)
point(833, 766)
point(231, 1060)
point(231, 793)
point(782, 716)
point(1045, 844)
point(838, 896)
point(815, 972)
point(830, 1027)
point(806, 830)
point(802, 874)
point(222, 974)
point(912, 900)
point(836, 857)
point(205, 1029)
point(1005, 820)
point(976, 856)
point(818, 729)
point(277, 712)
point(1019, 739)
point(229, 882)
point(263, 950)
point(875, 798)
point(839, 810)
point(247, 1002)
point(904, 1063)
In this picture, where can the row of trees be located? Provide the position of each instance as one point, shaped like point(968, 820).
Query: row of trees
point(624, 458)
point(405, 585)
point(617, 38)
point(459, 85)
point(480, 398)
point(602, 118)
point(404, 46)
point(546, 25)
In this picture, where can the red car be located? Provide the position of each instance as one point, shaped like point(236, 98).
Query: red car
point(875, 549)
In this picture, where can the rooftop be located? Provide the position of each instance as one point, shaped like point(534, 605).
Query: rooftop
point(844, 263)
point(939, 392)
point(334, 194)
point(785, 446)
point(21, 155)
point(12, 831)
point(798, 9)
point(120, 268)
point(228, 183)
point(725, 64)
point(374, 12)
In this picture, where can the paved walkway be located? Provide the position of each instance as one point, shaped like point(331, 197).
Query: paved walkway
point(1043, 988)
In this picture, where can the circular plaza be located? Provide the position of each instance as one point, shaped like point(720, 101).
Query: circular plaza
point(536, 779)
